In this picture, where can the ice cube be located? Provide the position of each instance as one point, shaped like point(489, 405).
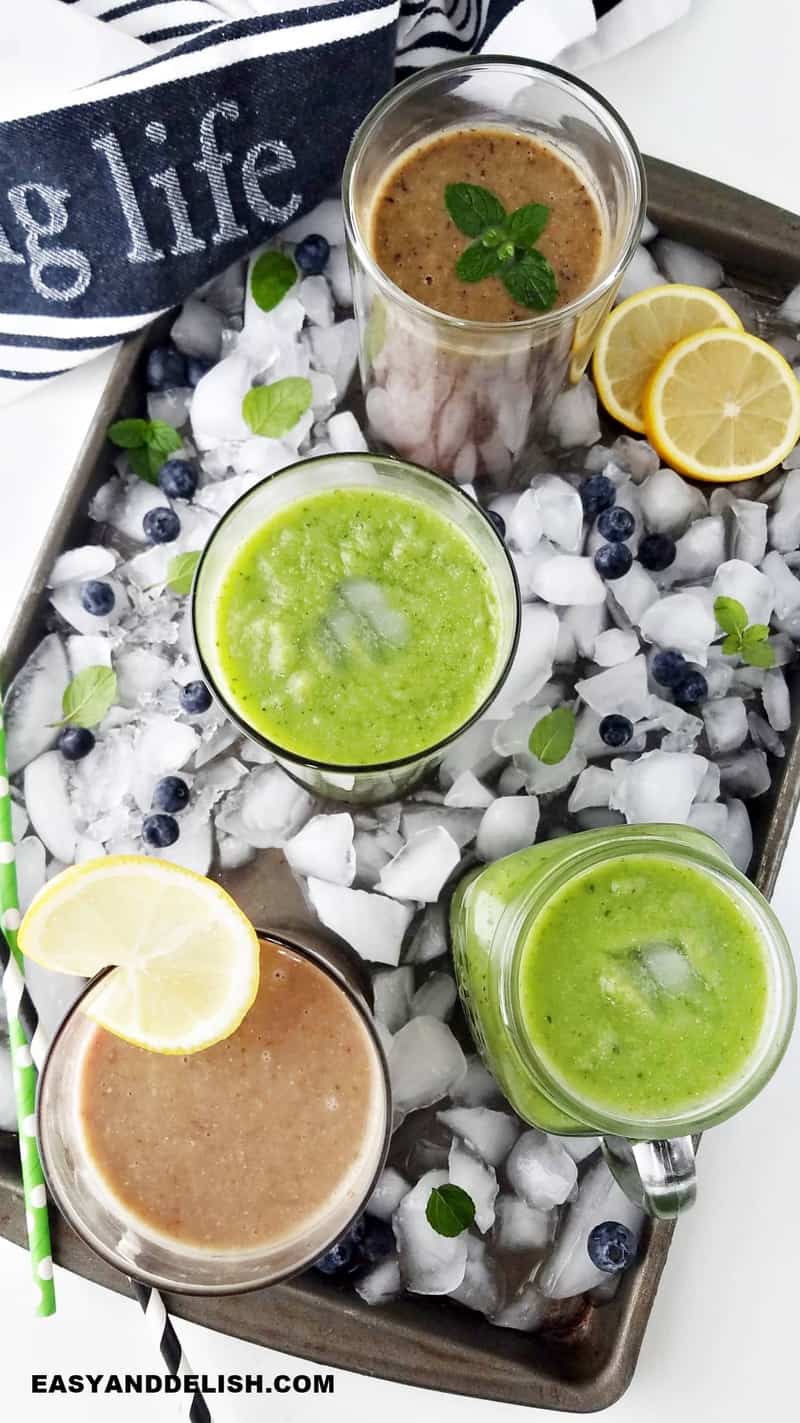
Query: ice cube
point(621, 689)
point(420, 869)
point(314, 296)
point(681, 263)
point(480, 1287)
point(48, 807)
point(789, 309)
point(162, 747)
point(698, 552)
point(382, 1283)
point(267, 810)
point(573, 416)
point(325, 219)
point(491, 1134)
point(8, 1098)
point(580, 1147)
point(640, 274)
point(473, 751)
point(540, 1171)
point(217, 404)
point(345, 433)
point(524, 523)
point(541, 779)
point(725, 723)
point(747, 525)
point(745, 775)
point(479, 1180)
point(680, 621)
point(560, 511)
point(461, 825)
point(736, 579)
point(425, 1063)
point(636, 457)
point(567, 1269)
point(388, 1193)
point(568, 579)
point(218, 741)
point(509, 823)
point(532, 665)
point(429, 940)
point(80, 564)
point(477, 1088)
point(615, 646)
point(668, 967)
point(524, 1311)
point(634, 593)
point(514, 732)
point(592, 788)
point(784, 522)
point(373, 850)
point(66, 600)
point(193, 850)
point(785, 587)
point(669, 504)
point(392, 991)
point(467, 792)
point(659, 786)
point(739, 834)
point(233, 853)
point(520, 1227)
point(435, 998)
point(711, 818)
point(170, 406)
point(33, 704)
point(430, 1264)
point(324, 848)
point(335, 350)
point(30, 863)
point(763, 735)
point(372, 924)
point(775, 696)
point(140, 673)
point(338, 274)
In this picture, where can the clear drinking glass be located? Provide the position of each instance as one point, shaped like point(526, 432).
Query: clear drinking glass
point(467, 398)
point(121, 1238)
point(652, 1159)
point(364, 784)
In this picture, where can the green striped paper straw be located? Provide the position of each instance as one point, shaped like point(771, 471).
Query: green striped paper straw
point(24, 1070)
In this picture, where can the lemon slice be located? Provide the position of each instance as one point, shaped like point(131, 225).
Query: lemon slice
point(723, 405)
point(187, 958)
point(637, 335)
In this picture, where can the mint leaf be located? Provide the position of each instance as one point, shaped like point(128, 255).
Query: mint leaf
point(272, 276)
point(128, 434)
point(88, 696)
point(531, 281)
point(526, 224)
point(473, 208)
point(552, 737)
point(273, 409)
point(477, 262)
point(756, 632)
point(449, 1210)
point(731, 615)
point(180, 571)
point(758, 654)
point(146, 463)
point(161, 437)
point(732, 644)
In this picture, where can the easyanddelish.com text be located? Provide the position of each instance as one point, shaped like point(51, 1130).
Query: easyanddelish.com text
point(188, 1383)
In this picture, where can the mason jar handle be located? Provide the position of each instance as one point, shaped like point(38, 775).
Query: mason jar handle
point(658, 1176)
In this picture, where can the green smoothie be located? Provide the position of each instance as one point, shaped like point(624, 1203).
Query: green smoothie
point(357, 626)
point(640, 982)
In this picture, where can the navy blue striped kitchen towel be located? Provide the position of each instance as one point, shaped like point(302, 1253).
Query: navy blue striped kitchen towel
point(125, 195)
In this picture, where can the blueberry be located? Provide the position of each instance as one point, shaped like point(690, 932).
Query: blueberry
point(195, 698)
point(691, 689)
point(161, 525)
point(377, 1241)
point(616, 730)
point(160, 831)
point(75, 742)
point(597, 493)
point(656, 552)
point(97, 597)
point(498, 521)
point(669, 668)
point(166, 368)
point(345, 1255)
point(177, 479)
point(616, 524)
point(611, 1247)
point(171, 793)
point(613, 560)
point(311, 254)
point(196, 368)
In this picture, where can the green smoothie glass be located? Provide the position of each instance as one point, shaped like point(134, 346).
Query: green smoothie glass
point(354, 614)
point(628, 982)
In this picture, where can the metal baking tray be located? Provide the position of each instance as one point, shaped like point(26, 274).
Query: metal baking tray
point(585, 1360)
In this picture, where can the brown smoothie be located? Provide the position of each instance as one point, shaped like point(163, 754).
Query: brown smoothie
point(251, 1142)
point(416, 243)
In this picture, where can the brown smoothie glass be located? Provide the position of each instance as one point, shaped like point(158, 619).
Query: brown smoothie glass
point(234, 1167)
point(459, 378)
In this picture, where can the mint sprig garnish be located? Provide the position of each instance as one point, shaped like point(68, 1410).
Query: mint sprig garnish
point(148, 442)
point(743, 639)
point(450, 1210)
point(504, 246)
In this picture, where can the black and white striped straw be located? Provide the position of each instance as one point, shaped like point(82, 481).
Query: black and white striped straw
point(155, 1311)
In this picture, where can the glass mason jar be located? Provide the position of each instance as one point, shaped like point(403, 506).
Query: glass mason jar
point(467, 398)
point(363, 783)
point(101, 1220)
point(492, 917)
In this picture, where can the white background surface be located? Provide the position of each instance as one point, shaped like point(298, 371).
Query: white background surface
point(718, 94)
